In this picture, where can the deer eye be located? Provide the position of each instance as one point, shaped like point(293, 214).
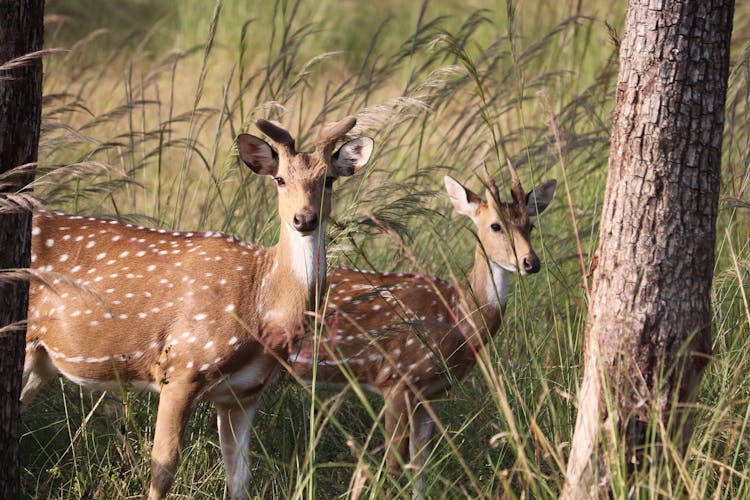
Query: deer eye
point(280, 181)
point(329, 182)
point(496, 227)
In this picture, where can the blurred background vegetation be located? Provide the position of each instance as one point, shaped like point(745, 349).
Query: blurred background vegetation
point(141, 110)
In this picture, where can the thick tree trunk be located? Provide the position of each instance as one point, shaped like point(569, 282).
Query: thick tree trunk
point(648, 334)
point(21, 33)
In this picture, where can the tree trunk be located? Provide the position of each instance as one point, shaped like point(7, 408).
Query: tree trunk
point(21, 33)
point(648, 335)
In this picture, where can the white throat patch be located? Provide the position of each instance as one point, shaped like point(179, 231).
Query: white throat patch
point(308, 255)
point(497, 285)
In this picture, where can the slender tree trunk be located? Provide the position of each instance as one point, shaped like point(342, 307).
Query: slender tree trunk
point(21, 33)
point(648, 335)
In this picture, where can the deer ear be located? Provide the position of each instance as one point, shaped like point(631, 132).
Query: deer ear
point(540, 198)
point(352, 156)
point(464, 201)
point(258, 155)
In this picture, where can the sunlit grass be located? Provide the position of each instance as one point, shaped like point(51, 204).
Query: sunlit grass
point(139, 123)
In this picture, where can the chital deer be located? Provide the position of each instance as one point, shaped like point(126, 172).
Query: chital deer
point(192, 315)
point(407, 336)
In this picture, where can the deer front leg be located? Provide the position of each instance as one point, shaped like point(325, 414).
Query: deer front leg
point(235, 433)
point(421, 431)
point(397, 435)
point(175, 406)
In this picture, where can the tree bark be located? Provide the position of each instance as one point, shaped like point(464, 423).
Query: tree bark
point(648, 334)
point(21, 33)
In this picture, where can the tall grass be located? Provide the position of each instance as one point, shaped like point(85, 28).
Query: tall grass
point(139, 123)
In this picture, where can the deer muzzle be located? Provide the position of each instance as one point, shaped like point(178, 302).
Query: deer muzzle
point(530, 264)
point(305, 222)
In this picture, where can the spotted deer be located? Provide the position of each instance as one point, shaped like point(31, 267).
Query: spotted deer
point(192, 315)
point(407, 336)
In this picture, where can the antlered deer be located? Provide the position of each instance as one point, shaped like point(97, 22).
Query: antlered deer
point(192, 315)
point(407, 336)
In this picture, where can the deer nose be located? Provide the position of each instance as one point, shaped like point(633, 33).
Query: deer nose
point(305, 223)
point(531, 264)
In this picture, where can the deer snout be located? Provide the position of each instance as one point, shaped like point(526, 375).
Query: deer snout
point(305, 222)
point(531, 264)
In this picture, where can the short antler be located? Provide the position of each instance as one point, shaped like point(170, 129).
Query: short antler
point(331, 132)
point(519, 195)
point(278, 135)
point(491, 186)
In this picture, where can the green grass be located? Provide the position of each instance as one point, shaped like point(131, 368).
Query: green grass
point(139, 122)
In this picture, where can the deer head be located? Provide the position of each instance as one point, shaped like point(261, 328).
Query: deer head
point(504, 228)
point(304, 179)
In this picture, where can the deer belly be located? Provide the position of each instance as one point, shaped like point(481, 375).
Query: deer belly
point(329, 373)
point(245, 382)
point(110, 385)
point(105, 372)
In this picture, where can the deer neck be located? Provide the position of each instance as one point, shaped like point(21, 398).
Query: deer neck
point(489, 283)
point(304, 258)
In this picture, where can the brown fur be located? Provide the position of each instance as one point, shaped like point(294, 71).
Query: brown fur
point(194, 316)
point(409, 336)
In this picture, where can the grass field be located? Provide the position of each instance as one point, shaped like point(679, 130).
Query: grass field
point(140, 114)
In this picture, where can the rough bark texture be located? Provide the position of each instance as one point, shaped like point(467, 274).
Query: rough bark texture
point(21, 32)
point(648, 330)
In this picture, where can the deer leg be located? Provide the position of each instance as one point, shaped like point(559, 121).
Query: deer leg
point(421, 431)
point(235, 432)
point(397, 437)
point(175, 406)
point(37, 369)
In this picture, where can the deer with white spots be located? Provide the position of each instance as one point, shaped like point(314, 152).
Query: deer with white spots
point(192, 315)
point(407, 336)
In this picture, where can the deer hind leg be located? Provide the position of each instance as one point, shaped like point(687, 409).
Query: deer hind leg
point(175, 406)
point(37, 369)
point(396, 428)
point(421, 431)
point(235, 433)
